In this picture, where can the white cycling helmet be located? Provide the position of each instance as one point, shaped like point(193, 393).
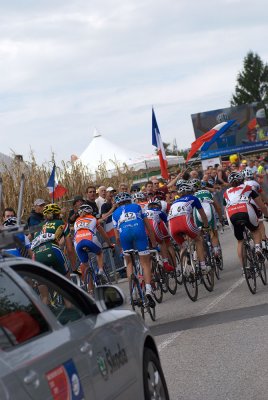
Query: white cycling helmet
point(138, 196)
point(185, 187)
point(248, 174)
point(155, 201)
point(85, 208)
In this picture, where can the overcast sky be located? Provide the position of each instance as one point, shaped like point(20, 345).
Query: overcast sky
point(69, 66)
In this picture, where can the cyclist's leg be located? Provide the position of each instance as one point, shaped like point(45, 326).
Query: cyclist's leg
point(161, 235)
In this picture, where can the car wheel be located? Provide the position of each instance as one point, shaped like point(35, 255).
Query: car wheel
point(155, 387)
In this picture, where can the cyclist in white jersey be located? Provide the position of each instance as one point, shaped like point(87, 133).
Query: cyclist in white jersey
point(237, 200)
point(249, 179)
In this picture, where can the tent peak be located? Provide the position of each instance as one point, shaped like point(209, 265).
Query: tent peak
point(96, 133)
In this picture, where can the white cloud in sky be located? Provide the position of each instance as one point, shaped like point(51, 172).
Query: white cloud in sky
point(68, 66)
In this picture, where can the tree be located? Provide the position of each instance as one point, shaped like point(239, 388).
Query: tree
point(252, 81)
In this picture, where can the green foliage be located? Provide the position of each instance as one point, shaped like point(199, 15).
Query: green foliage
point(252, 81)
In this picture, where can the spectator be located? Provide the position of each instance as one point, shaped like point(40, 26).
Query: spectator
point(91, 196)
point(101, 198)
point(73, 214)
point(8, 213)
point(252, 166)
point(135, 188)
point(36, 217)
point(123, 187)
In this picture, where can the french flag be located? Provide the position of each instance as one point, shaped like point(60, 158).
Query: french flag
point(56, 191)
point(157, 142)
point(206, 140)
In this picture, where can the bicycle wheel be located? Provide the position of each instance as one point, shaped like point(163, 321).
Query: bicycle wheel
point(262, 272)
point(189, 276)
point(163, 278)
point(136, 300)
point(172, 283)
point(220, 265)
point(151, 312)
point(217, 268)
point(249, 271)
point(177, 264)
point(156, 283)
point(208, 280)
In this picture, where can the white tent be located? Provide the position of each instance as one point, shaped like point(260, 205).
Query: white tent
point(101, 150)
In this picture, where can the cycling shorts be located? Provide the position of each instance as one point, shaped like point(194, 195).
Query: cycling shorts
point(245, 214)
point(183, 225)
point(52, 256)
point(211, 216)
point(160, 230)
point(85, 246)
point(133, 236)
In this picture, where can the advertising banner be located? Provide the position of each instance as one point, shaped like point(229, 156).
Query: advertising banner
point(248, 133)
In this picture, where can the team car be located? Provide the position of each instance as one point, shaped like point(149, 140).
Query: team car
point(69, 345)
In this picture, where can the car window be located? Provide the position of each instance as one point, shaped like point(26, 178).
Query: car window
point(61, 304)
point(20, 320)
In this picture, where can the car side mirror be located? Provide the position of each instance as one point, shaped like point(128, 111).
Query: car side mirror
point(109, 297)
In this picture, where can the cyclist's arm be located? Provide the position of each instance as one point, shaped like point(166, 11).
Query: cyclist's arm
point(218, 209)
point(203, 216)
point(104, 235)
point(261, 205)
point(150, 232)
point(70, 251)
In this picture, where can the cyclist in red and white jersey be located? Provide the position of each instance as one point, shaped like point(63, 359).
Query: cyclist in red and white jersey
point(237, 200)
point(249, 180)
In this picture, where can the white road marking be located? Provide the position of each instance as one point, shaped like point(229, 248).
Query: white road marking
point(175, 335)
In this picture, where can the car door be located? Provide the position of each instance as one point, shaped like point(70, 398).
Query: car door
point(116, 367)
point(49, 360)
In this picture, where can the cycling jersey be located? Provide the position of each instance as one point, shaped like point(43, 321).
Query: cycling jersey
point(180, 217)
point(22, 249)
point(45, 245)
point(238, 208)
point(206, 199)
point(158, 219)
point(128, 220)
point(85, 238)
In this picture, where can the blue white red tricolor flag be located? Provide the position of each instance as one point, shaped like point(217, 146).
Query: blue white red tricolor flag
point(56, 191)
point(206, 140)
point(157, 142)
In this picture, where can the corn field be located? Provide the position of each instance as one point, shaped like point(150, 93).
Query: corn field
point(73, 176)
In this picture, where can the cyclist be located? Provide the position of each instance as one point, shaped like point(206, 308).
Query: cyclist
point(139, 198)
point(211, 207)
point(85, 240)
point(46, 242)
point(237, 200)
point(249, 180)
point(180, 219)
point(23, 245)
point(130, 225)
point(158, 220)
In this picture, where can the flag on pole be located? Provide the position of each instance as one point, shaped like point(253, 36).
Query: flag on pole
point(208, 138)
point(157, 142)
point(56, 191)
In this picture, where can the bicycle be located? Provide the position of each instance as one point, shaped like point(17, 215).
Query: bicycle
point(137, 287)
point(177, 262)
point(215, 262)
point(253, 266)
point(192, 273)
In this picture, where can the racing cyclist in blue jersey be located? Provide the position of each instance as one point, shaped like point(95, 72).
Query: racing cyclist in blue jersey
point(130, 225)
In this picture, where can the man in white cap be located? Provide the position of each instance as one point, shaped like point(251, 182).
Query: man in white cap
point(36, 217)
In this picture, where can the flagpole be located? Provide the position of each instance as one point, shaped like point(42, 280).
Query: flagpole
point(53, 198)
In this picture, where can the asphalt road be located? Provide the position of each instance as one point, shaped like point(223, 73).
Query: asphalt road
point(217, 347)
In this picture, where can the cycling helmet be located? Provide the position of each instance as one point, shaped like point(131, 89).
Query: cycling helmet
point(122, 197)
point(235, 177)
point(196, 183)
point(138, 196)
point(185, 187)
point(155, 201)
point(180, 181)
point(11, 221)
point(85, 208)
point(52, 208)
point(248, 174)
